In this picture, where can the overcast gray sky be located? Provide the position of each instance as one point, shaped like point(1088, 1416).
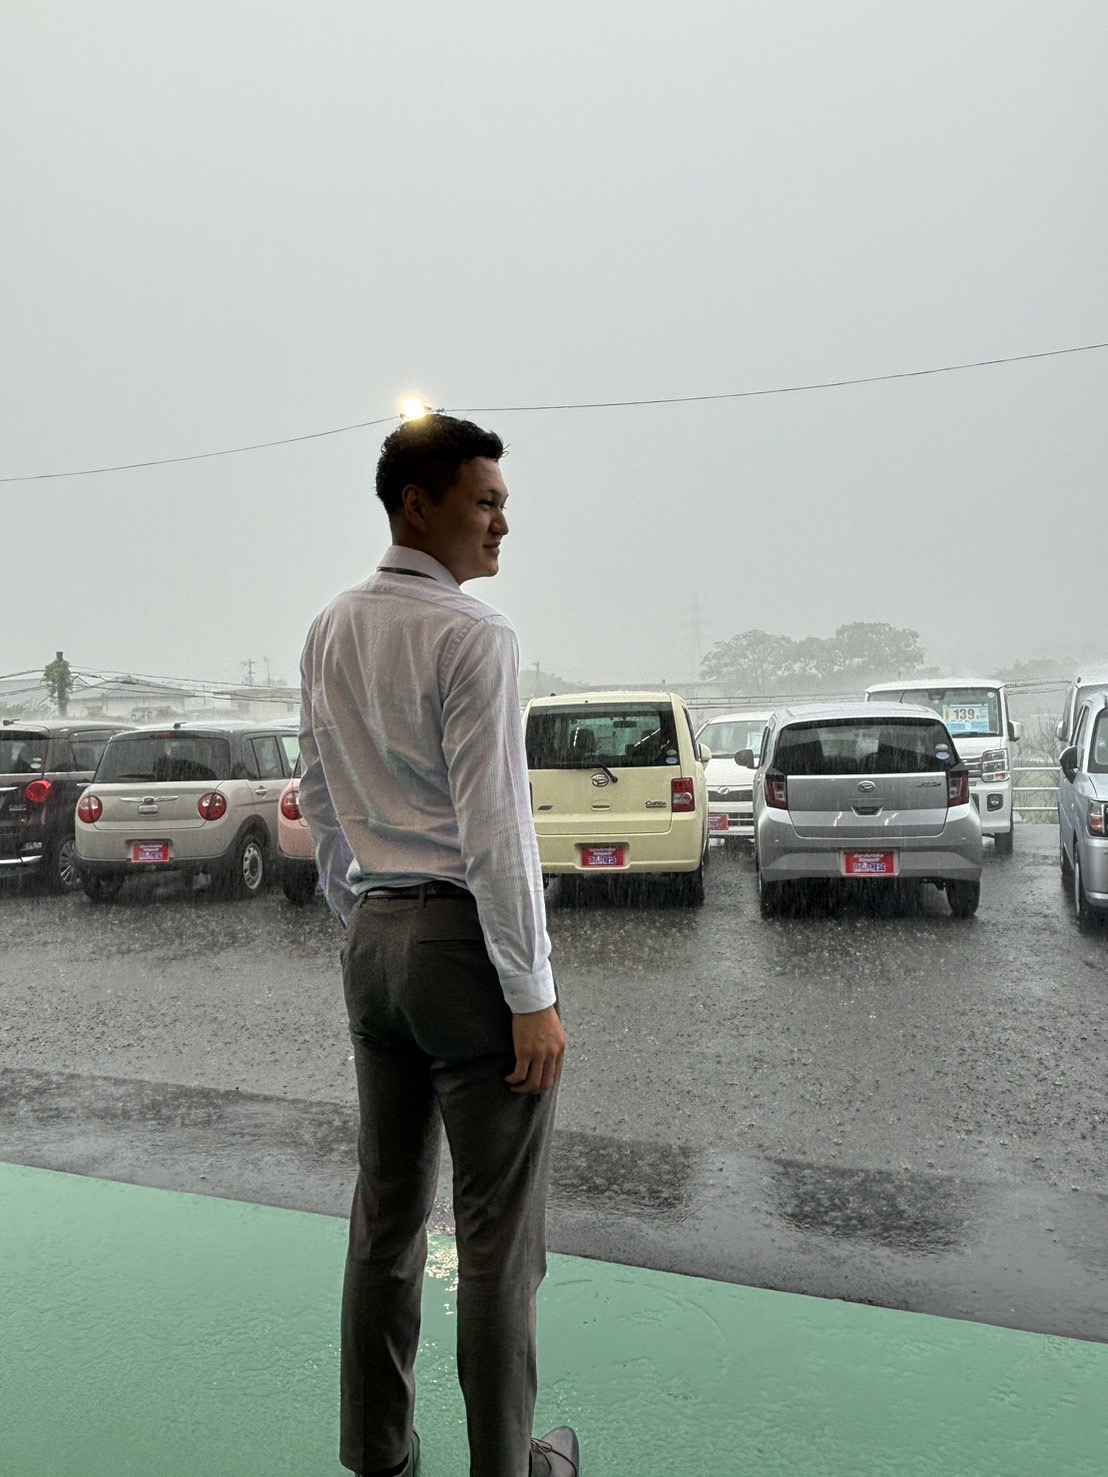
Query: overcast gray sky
point(232, 222)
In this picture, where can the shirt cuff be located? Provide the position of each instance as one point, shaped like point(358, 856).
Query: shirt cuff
point(527, 992)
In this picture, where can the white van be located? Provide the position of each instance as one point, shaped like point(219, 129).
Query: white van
point(975, 710)
point(617, 787)
point(1080, 688)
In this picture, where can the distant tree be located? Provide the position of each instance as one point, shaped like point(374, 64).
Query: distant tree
point(758, 663)
point(57, 678)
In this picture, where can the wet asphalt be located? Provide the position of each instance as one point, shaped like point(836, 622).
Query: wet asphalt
point(871, 1101)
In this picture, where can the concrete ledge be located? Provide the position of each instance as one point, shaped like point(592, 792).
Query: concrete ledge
point(147, 1332)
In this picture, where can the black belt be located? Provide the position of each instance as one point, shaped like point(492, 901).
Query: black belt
point(420, 890)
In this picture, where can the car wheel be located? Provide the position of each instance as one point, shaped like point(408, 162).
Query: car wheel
point(688, 890)
point(963, 898)
point(1064, 861)
point(62, 872)
point(770, 895)
point(101, 889)
point(299, 886)
point(1080, 901)
point(246, 875)
point(1005, 840)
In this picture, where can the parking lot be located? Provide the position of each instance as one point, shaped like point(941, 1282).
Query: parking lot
point(887, 1104)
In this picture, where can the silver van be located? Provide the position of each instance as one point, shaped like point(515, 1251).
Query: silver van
point(1079, 689)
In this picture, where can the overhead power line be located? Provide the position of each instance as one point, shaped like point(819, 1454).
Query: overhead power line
point(866, 379)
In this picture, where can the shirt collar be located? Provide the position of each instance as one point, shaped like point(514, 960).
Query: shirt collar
point(421, 563)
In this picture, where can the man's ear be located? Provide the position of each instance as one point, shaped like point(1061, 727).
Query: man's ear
point(413, 501)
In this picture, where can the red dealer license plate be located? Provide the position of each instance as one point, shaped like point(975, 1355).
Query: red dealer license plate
point(149, 851)
point(602, 856)
point(717, 822)
point(869, 863)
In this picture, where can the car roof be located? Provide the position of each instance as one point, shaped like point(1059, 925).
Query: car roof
point(918, 684)
point(742, 716)
point(875, 712)
point(1092, 679)
point(51, 726)
point(615, 695)
point(231, 726)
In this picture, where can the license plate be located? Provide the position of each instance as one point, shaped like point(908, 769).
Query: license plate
point(149, 851)
point(869, 863)
point(602, 856)
point(717, 822)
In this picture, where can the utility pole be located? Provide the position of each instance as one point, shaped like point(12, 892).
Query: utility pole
point(248, 671)
point(58, 680)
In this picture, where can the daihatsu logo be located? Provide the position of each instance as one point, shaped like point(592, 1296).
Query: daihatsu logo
point(866, 786)
point(600, 779)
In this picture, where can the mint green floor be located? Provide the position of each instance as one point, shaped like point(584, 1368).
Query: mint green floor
point(147, 1334)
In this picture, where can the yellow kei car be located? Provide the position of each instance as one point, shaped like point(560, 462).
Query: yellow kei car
point(618, 788)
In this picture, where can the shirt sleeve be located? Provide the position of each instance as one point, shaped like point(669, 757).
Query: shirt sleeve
point(332, 851)
point(487, 771)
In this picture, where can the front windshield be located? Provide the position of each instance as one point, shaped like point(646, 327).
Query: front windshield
point(1098, 749)
point(966, 710)
point(727, 736)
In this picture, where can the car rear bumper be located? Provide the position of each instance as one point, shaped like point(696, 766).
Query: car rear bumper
point(678, 851)
point(919, 865)
point(955, 853)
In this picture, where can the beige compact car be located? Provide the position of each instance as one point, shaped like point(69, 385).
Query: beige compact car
point(185, 797)
point(618, 788)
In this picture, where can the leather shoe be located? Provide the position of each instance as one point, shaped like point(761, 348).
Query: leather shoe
point(411, 1466)
point(556, 1454)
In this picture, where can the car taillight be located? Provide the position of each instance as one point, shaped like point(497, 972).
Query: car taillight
point(994, 766)
point(89, 809)
point(290, 808)
point(957, 787)
point(1098, 818)
point(682, 796)
point(212, 806)
point(777, 791)
point(37, 791)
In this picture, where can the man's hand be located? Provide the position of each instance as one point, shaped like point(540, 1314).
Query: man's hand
point(540, 1045)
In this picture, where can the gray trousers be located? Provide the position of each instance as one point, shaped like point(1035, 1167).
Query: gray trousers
point(432, 1036)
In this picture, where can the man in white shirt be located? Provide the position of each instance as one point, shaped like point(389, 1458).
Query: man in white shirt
point(415, 789)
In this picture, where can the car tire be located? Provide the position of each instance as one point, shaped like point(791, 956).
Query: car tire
point(101, 889)
point(1080, 901)
point(1005, 840)
point(62, 871)
point(688, 889)
point(770, 895)
point(246, 876)
point(1064, 861)
point(963, 898)
point(300, 886)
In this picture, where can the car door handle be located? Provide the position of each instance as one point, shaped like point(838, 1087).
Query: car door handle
point(261, 790)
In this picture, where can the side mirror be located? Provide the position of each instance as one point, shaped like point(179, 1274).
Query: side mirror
point(703, 753)
point(1067, 763)
point(744, 758)
point(1014, 730)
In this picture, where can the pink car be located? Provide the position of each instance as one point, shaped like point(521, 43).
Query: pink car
point(299, 877)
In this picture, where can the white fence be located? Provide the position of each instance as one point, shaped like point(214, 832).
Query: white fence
point(1043, 804)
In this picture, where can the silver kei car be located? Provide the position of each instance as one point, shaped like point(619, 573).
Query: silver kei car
point(872, 793)
point(1083, 810)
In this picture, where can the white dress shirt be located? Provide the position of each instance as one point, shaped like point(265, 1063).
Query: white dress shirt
point(413, 763)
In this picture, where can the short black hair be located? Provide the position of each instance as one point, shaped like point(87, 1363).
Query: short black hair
point(428, 453)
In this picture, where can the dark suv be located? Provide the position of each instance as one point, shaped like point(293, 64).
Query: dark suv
point(185, 797)
point(44, 766)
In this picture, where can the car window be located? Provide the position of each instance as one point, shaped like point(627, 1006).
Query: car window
point(1082, 725)
point(728, 738)
point(267, 753)
point(290, 742)
point(164, 757)
point(853, 746)
point(1098, 750)
point(971, 710)
point(22, 753)
point(87, 749)
point(617, 736)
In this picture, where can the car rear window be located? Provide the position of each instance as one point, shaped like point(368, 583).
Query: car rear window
point(172, 757)
point(613, 735)
point(853, 746)
point(22, 753)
